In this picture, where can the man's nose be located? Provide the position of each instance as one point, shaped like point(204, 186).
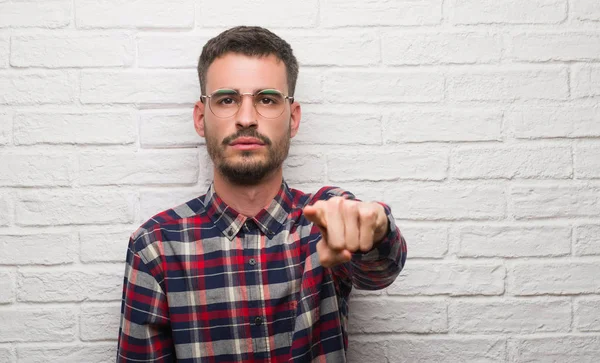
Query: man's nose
point(247, 116)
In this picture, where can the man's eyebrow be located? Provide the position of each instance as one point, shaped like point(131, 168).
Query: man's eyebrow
point(226, 90)
point(256, 90)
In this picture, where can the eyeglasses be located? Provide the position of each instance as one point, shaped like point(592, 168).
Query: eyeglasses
point(224, 103)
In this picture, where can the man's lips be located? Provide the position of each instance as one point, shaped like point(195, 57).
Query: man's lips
point(246, 143)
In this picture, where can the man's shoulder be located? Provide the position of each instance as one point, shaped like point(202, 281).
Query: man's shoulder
point(171, 217)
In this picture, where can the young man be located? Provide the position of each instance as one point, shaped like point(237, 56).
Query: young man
point(252, 271)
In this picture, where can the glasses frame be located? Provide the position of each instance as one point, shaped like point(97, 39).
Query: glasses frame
point(205, 98)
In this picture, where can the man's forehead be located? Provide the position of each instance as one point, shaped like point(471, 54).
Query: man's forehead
point(246, 73)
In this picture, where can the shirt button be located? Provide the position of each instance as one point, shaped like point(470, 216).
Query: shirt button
point(252, 262)
point(258, 320)
point(230, 233)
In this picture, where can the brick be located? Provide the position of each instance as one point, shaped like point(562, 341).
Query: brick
point(168, 129)
point(91, 127)
point(7, 287)
point(341, 129)
point(336, 48)
point(587, 240)
point(37, 324)
point(7, 355)
point(544, 47)
point(513, 241)
point(64, 207)
point(304, 168)
point(169, 51)
point(139, 86)
point(585, 10)
point(6, 211)
point(425, 242)
point(177, 14)
point(564, 349)
point(454, 279)
point(397, 316)
point(545, 201)
point(464, 202)
point(343, 13)
point(103, 246)
point(31, 87)
point(509, 84)
point(443, 125)
point(33, 169)
point(99, 322)
point(585, 81)
point(4, 50)
point(72, 50)
point(409, 163)
point(439, 349)
point(79, 352)
point(221, 14)
point(48, 14)
point(587, 161)
point(587, 314)
point(375, 86)
point(139, 168)
point(555, 278)
point(554, 122)
point(521, 316)
point(410, 48)
point(511, 162)
point(309, 88)
point(6, 124)
point(37, 249)
point(155, 201)
point(511, 12)
point(61, 285)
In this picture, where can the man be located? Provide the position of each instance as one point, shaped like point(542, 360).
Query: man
point(252, 271)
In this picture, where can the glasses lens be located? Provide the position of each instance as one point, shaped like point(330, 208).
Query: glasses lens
point(225, 102)
point(269, 103)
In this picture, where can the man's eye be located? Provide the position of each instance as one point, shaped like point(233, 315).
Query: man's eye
point(267, 101)
point(226, 101)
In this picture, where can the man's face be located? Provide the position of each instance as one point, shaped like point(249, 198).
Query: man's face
point(246, 147)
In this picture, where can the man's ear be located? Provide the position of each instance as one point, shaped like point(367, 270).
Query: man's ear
point(296, 115)
point(199, 118)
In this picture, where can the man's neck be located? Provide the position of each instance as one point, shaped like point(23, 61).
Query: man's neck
point(248, 200)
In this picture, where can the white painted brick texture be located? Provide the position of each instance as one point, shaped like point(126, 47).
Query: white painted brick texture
point(478, 121)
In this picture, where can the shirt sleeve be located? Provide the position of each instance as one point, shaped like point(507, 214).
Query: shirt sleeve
point(378, 268)
point(144, 333)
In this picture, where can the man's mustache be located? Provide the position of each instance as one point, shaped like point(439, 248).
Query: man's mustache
point(246, 133)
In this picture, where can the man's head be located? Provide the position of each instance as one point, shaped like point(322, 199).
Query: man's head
point(246, 112)
point(251, 41)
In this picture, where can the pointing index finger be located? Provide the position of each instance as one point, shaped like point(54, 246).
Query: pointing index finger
point(316, 214)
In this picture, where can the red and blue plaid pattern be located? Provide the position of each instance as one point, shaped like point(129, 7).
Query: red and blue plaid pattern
point(204, 283)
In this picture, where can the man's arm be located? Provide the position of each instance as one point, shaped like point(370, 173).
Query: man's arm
point(144, 334)
point(360, 241)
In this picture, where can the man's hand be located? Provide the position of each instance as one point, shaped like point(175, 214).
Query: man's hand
point(347, 226)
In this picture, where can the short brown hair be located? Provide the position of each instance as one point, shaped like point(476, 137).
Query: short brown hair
point(250, 41)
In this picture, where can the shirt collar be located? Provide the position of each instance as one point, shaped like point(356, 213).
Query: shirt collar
point(269, 220)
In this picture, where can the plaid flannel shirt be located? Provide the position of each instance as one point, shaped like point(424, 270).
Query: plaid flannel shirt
point(204, 283)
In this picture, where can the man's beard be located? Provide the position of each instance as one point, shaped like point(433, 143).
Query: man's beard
point(248, 171)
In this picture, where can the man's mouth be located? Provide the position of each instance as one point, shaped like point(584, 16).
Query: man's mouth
point(246, 143)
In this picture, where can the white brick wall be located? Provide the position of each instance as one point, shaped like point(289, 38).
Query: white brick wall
point(477, 120)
